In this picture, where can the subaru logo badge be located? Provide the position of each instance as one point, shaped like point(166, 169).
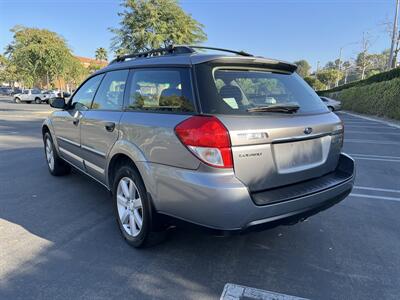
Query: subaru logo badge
point(307, 130)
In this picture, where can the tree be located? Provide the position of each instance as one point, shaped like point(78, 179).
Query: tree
point(149, 24)
point(101, 54)
point(332, 65)
point(75, 72)
point(329, 76)
point(363, 58)
point(37, 54)
point(8, 71)
point(315, 83)
point(93, 67)
point(303, 68)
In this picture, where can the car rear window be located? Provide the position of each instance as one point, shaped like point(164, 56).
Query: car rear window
point(236, 89)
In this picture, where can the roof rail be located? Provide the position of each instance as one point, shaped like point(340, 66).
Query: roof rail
point(173, 49)
point(155, 52)
point(241, 53)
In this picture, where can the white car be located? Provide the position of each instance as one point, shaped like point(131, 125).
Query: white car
point(333, 105)
point(51, 94)
point(32, 95)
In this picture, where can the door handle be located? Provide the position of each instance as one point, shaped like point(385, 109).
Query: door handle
point(109, 126)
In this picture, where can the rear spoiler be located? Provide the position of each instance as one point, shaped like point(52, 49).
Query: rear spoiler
point(256, 62)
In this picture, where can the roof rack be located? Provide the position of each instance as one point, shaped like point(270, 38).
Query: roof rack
point(154, 52)
point(173, 49)
point(241, 53)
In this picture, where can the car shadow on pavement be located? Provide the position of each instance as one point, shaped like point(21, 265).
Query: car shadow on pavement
point(59, 240)
point(81, 252)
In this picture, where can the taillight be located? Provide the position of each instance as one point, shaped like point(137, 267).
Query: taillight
point(208, 139)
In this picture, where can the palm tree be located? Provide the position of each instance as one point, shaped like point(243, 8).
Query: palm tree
point(101, 54)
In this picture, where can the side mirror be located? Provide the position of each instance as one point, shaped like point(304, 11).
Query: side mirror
point(58, 103)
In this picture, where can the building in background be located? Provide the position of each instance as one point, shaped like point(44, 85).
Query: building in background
point(89, 63)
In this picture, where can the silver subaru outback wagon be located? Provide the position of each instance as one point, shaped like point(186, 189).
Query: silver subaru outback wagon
point(225, 141)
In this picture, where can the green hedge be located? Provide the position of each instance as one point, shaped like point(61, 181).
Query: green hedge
point(384, 76)
point(380, 98)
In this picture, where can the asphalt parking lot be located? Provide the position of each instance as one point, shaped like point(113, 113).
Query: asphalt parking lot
point(59, 240)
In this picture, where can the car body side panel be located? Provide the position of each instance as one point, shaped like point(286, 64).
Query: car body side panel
point(204, 198)
point(68, 136)
point(97, 141)
point(154, 134)
point(128, 149)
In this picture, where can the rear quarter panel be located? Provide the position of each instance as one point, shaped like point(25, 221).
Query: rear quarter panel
point(154, 135)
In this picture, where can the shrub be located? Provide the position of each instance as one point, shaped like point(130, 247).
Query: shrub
point(315, 83)
point(384, 76)
point(379, 98)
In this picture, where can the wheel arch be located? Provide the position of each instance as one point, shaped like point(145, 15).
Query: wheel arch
point(123, 152)
point(48, 127)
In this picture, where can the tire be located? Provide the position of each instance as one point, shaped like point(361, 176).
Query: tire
point(38, 100)
point(127, 209)
point(56, 166)
point(17, 100)
point(331, 108)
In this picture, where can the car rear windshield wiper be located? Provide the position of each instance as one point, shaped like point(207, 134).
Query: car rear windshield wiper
point(285, 108)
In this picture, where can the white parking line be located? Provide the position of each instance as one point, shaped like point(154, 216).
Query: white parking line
point(374, 197)
point(376, 159)
point(376, 189)
point(373, 155)
point(372, 119)
point(238, 292)
point(371, 142)
point(368, 126)
point(369, 132)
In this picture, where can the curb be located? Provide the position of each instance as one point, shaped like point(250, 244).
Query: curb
point(239, 292)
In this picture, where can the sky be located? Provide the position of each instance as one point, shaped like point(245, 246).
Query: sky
point(290, 30)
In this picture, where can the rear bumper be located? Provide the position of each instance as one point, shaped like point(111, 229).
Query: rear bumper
point(220, 201)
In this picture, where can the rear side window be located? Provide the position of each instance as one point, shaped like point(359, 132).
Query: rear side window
point(161, 90)
point(110, 95)
point(235, 90)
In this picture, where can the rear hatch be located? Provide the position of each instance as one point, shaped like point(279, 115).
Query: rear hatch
point(281, 132)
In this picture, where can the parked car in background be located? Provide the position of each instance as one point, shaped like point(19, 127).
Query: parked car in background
point(31, 95)
point(16, 91)
point(64, 94)
point(6, 91)
point(333, 105)
point(226, 142)
point(51, 94)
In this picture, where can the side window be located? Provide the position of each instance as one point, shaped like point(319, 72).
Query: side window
point(111, 91)
point(84, 96)
point(161, 90)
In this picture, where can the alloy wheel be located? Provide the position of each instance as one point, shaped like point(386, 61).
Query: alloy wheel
point(49, 154)
point(129, 205)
